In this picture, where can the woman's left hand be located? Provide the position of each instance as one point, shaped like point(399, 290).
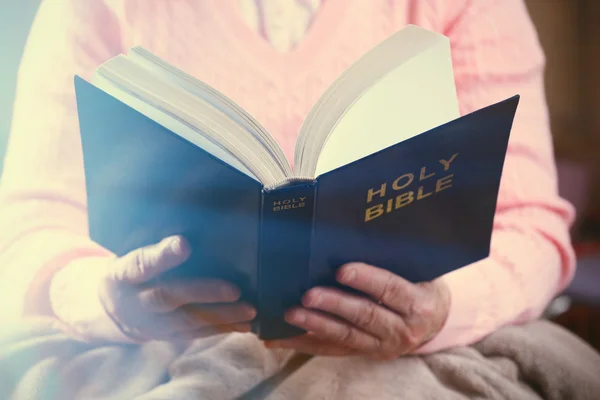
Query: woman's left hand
point(394, 318)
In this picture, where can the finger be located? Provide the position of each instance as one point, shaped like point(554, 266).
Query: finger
point(385, 287)
point(211, 331)
point(168, 296)
point(310, 344)
point(332, 330)
point(190, 318)
point(146, 263)
point(360, 312)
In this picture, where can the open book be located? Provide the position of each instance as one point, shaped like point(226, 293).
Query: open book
point(386, 172)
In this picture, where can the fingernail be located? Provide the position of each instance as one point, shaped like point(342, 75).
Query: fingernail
point(249, 312)
point(348, 275)
point(313, 299)
point(229, 293)
point(296, 317)
point(175, 246)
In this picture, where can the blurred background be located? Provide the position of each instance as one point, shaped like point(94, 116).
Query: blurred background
point(15, 20)
point(569, 31)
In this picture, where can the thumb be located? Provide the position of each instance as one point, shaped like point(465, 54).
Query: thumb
point(146, 263)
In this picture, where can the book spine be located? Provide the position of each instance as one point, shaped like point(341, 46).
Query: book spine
point(285, 242)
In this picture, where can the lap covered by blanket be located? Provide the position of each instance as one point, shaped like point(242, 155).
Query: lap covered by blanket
point(539, 360)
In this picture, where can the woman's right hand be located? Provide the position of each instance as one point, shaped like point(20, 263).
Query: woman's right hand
point(112, 298)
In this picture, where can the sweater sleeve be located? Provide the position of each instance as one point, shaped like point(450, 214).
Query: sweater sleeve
point(43, 220)
point(496, 55)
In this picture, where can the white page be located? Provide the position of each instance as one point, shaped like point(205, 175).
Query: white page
point(201, 90)
point(171, 123)
point(417, 96)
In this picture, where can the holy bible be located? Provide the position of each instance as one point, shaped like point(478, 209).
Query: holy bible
point(386, 172)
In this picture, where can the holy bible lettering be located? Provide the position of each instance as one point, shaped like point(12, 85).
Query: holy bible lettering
point(409, 187)
point(289, 204)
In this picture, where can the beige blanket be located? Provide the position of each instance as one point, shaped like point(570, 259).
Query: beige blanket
point(535, 361)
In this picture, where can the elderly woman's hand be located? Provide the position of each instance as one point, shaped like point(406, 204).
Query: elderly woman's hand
point(394, 318)
point(118, 299)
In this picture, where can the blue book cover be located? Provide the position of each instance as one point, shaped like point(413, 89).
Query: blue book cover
point(421, 208)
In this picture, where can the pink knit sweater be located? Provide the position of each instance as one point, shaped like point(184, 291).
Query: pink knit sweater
point(43, 208)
